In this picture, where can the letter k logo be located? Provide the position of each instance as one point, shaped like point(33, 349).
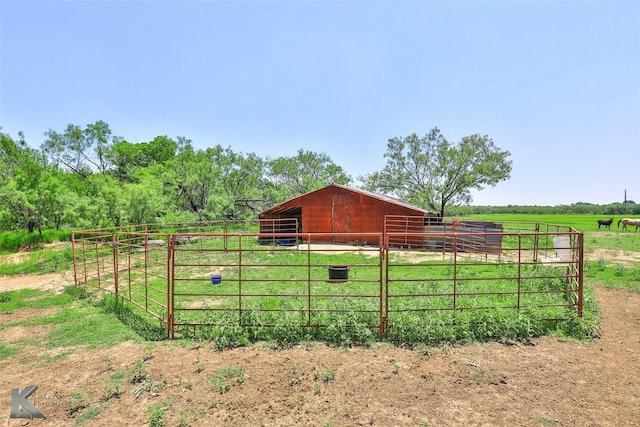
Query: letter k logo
point(20, 406)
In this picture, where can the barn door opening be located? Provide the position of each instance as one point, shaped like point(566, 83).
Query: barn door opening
point(340, 217)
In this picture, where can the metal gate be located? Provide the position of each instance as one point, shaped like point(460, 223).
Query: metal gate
point(193, 280)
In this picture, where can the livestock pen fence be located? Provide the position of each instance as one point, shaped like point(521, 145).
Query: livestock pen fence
point(191, 277)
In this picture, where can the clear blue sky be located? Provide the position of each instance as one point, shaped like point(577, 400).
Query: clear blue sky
point(555, 83)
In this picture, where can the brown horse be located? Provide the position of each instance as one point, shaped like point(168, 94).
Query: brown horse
point(606, 222)
point(629, 221)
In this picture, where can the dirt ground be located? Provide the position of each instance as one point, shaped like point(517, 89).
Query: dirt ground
point(549, 381)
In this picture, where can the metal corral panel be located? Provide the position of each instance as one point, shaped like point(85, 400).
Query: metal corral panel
point(470, 236)
point(462, 235)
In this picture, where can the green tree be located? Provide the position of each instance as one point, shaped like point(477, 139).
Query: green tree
point(242, 180)
point(433, 173)
point(189, 181)
point(29, 189)
point(302, 173)
point(81, 151)
point(145, 203)
point(127, 158)
point(215, 183)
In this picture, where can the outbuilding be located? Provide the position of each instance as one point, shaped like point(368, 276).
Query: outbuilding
point(337, 210)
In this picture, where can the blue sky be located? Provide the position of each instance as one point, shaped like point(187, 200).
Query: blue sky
point(556, 83)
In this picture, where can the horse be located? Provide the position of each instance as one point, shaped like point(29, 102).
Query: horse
point(629, 221)
point(606, 222)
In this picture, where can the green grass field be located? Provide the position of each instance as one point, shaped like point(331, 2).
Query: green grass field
point(610, 262)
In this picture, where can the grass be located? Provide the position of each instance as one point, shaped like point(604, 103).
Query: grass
point(222, 380)
point(7, 351)
point(78, 318)
point(346, 316)
point(11, 242)
point(156, 414)
point(88, 415)
point(76, 321)
point(42, 261)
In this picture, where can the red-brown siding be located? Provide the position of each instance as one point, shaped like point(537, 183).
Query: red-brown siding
point(339, 209)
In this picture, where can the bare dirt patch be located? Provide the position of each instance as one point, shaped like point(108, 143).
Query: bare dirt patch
point(549, 381)
point(612, 254)
point(54, 281)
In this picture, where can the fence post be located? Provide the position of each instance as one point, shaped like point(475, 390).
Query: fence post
point(239, 275)
point(580, 272)
point(75, 257)
point(116, 266)
point(383, 244)
point(520, 264)
point(308, 278)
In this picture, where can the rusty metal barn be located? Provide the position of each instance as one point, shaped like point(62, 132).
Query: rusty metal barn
point(342, 211)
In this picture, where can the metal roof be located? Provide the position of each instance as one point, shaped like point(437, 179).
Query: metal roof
point(280, 209)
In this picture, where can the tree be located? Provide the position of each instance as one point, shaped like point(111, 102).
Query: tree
point(216, 183)
point(29, 189)
point(127, 158)
point(433, 173)
point(305, 172)
point(81, 151)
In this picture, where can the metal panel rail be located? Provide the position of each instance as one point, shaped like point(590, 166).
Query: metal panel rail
point(190, 278)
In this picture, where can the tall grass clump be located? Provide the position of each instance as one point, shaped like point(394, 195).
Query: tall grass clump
point(482, 326)
point(11, 242)
point(147, 327)
point(226, 333)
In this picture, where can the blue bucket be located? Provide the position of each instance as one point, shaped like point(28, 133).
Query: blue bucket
point(216, 279)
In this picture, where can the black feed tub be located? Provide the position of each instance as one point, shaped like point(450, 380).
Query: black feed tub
point(338, 273)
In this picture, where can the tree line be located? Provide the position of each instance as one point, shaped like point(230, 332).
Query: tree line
point(608, 210)
point(87, 177)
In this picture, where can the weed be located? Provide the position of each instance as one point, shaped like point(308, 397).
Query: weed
point(109, 359)
point(479, 375)
point(77, 403)
point(328, 375)
point(544, 421)
point(118, 376)
point(156, 414)
point(227, 334)
point(219, 381)
point(396, 367)
point(88, 415)
point(218, 384)
point(183, 419)
point(619, 269)
point(111, 391)
point(77, 292)
point(139, 372)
